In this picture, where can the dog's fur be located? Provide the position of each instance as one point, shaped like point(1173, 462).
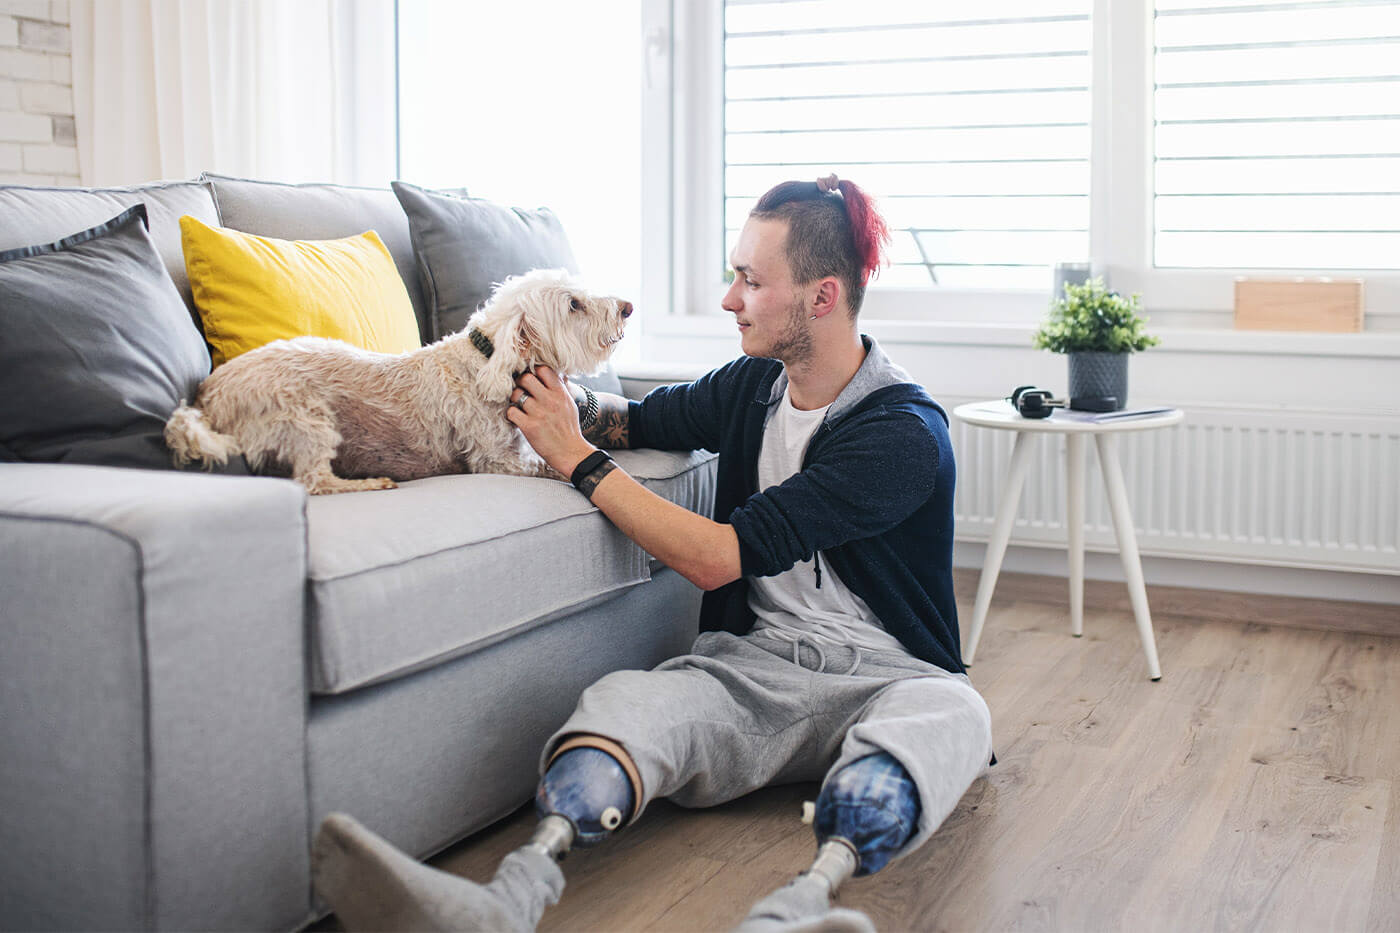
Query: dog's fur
point(339, 419)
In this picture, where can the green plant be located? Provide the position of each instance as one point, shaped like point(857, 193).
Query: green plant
point(1090, 318)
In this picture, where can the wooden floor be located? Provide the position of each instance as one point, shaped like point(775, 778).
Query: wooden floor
point(1255, 787)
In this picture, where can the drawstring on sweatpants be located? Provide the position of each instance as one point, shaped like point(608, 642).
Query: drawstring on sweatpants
point(797, 640)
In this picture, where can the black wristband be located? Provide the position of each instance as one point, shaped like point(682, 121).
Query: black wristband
point(587, 465)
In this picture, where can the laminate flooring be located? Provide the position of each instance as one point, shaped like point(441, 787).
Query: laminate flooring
point(1255, 787)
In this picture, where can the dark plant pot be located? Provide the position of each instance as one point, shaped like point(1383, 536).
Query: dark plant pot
point(1097, 375)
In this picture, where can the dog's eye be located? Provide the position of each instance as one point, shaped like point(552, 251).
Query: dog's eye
point(575, 304)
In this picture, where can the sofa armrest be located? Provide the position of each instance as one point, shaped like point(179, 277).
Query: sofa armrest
point(640, 378)
point(153, 689)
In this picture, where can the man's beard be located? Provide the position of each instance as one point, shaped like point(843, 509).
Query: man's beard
point(794, 345)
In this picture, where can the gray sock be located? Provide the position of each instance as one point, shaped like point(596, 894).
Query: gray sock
point(373, 886)
point(803, 906)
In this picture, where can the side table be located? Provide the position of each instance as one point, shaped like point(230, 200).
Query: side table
point(1000, 415)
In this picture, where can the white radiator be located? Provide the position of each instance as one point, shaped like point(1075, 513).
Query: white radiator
point(1308, 490)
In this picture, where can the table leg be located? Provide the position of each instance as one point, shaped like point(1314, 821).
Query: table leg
point(1127, 547)
point(1001, 534)
point(1074, 528)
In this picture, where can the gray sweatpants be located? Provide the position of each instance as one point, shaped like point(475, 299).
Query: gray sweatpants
point(739, 713)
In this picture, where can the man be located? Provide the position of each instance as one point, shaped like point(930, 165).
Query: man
point(829, 644)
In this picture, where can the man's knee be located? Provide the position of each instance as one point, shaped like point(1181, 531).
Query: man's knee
point(873, 804)
point(596, 790)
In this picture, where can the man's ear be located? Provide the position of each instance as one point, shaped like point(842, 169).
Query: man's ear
point(826, 297)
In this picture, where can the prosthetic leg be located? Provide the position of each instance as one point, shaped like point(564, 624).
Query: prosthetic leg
point(589, 790)
point(585, 795)
point(864, 814)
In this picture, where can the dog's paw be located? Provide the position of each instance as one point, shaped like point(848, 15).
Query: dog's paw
point(325, 484)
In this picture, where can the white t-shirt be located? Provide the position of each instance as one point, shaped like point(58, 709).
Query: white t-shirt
point(790, 603)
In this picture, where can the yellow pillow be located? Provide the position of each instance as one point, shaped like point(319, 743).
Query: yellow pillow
point(251, 290)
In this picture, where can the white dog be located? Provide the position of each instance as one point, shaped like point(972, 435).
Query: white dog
point(339, 419)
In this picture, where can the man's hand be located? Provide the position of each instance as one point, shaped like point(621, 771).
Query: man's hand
point(544, 410)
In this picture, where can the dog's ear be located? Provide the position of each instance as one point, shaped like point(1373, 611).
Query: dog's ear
point(526, 340)
point(515, 341)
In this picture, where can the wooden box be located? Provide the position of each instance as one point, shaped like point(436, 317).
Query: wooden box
point(1299, 304)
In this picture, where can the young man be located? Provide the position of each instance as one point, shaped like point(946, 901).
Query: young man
point(829, 639)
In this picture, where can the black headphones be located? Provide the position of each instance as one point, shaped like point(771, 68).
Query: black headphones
point(1034, 403)
point(1039, 403)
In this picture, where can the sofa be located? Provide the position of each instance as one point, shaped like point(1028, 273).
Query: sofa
point(198, 667)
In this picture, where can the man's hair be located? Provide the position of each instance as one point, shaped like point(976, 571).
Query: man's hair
point(833, 229)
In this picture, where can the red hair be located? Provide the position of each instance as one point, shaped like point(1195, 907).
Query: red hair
point(872, 234)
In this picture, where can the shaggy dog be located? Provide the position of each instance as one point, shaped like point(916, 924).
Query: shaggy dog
point(340, 419)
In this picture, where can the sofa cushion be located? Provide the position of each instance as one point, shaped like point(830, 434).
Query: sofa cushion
point(466, 246)
point(322, 212)
point(405, 579)
point(251, 290)
point(96, 349)
point(42, 215)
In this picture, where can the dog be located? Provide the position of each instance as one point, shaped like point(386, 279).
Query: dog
point(337, 418)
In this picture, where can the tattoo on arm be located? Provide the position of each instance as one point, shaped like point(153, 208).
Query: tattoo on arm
point(610, 429)
point(591, 481)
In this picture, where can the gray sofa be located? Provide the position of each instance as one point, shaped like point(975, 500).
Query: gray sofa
point(197, 668)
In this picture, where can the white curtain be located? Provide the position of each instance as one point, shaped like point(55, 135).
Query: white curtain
point(280, 90)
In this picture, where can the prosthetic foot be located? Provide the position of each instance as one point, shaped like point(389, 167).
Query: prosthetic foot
point(584, 796)
point(865, 814)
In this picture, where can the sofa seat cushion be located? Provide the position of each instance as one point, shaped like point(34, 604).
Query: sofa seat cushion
point(405, 579)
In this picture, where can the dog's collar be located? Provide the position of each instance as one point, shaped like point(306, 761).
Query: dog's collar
point(481, 342)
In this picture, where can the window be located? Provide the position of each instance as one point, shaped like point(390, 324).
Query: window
point(1277, 135)
point(972, 122)
point(1174, 144)
point(533, 103)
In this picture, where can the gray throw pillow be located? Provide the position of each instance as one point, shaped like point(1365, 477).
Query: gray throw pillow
point(466, 246)
point(40, 215)
point(96, 348)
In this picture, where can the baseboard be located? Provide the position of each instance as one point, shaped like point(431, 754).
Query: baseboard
point(1331, 615)
point(1205, 572)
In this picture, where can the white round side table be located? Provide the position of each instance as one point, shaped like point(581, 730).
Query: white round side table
point(1000, 415)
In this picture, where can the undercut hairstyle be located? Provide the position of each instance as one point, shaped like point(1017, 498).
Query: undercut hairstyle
point(833, 230)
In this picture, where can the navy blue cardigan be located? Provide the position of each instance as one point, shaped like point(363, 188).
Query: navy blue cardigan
point(874, 498)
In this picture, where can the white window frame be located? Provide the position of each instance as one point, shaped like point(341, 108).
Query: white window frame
point(682, 178)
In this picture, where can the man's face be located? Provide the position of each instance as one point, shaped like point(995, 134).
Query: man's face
point(769, 308)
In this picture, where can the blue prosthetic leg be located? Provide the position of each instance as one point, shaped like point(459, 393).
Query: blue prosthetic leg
point(588, 788)
point(873, 806)
point(865, 813)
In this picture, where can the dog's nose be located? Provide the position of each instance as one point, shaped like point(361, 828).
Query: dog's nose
point(625, 307)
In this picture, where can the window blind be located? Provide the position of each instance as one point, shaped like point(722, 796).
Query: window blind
point(1277, 142)
point(970, 123)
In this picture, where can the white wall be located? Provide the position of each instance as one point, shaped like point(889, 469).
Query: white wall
point(37, 141)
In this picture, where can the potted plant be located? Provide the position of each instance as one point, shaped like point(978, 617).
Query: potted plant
point(1098, 329)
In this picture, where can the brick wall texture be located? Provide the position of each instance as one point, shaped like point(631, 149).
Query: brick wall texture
point(37, 141)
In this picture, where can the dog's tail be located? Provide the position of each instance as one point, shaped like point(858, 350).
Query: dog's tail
point(190, 437)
